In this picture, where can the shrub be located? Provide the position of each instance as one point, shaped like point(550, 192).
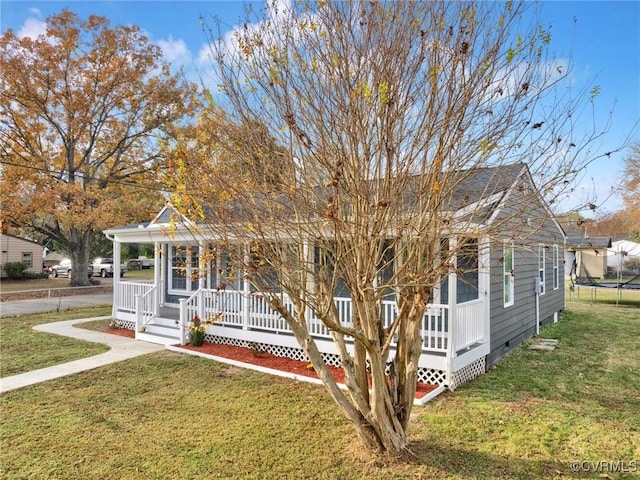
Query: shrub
point(14, 270)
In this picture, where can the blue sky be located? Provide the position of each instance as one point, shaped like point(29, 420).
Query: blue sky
point(603, 38)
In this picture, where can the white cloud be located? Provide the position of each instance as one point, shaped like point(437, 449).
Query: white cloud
point(175, 51)
point(32, 28)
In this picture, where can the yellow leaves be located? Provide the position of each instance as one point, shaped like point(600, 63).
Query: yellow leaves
point(486, 147)
point(274, 76)
point(436, 186)
point(434, 72)
point(245, 48)
point(364, 90)
point(383, 91)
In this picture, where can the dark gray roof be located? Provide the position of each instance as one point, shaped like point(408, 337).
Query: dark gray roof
point(464, 188)
point(479, 183)
point(585, 243)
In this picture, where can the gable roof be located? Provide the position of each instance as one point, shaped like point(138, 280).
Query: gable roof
point(585, 243)
point(476, 195)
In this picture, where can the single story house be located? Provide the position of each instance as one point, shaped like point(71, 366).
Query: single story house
point(515, 287)
point(18, 249)
point(587, 257)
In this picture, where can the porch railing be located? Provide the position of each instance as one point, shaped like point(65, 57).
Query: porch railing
point(469, 327)
point(127, 292)
point(235, 309)
point(146, 308)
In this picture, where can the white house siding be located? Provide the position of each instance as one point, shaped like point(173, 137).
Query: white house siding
point(16, 249)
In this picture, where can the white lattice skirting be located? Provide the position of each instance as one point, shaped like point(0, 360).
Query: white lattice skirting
point(125, 324)
point(425, 375)
point(466, 373)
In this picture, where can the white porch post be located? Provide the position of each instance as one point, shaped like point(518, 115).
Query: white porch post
point(246, 290)
point(452, 281)
point(183, 324)
point(116, 276)
point(156, 273)
point(484, 284)
point(202, 269)
point(201, 281)
point(307, 269)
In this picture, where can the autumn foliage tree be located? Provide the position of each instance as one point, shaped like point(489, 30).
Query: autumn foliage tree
point(85, 112)
point(387, 110)
point(631, 191)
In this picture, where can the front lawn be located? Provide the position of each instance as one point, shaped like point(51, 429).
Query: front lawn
point(23, 349)
point(168, 416)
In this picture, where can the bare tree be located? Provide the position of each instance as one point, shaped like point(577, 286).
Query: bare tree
point(397, 115)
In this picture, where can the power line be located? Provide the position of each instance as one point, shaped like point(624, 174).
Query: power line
point(115, 182)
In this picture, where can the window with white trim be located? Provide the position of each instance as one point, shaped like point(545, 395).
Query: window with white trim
point(508, 273)
point(541, 272)
point(184, 269)
point(556, 270)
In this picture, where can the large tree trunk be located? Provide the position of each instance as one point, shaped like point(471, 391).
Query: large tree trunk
point(79, 247)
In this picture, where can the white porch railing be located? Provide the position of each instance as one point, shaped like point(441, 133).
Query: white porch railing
point(469, 324)
point(227, 308)
point(236, 309)
point(146, 308)
point(127, 292)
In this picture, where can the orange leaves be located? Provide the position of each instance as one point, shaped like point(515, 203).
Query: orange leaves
point(84, 101)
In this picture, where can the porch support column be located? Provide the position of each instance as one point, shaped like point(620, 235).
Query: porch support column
point(484, 284)
point(246, 289)
point(202, 273)
point(157, 256)
point(452, 281)
point(116, 276)
point(307, 269)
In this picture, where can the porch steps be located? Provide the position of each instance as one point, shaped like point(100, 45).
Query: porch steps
point(161, 330)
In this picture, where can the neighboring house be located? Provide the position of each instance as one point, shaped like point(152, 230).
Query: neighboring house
point(17, 249)
point(624, 255)
point(513, 289)
point(586, 257)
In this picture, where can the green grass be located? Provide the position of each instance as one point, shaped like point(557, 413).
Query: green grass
point(23, 349)
point(167, 416)
point(603, 295)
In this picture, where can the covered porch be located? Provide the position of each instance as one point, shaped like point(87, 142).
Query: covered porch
point(455, 327)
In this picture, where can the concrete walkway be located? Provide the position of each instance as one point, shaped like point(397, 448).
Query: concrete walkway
point(122, 348)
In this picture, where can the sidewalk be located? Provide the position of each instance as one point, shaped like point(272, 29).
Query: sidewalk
point(38, 305)
point(122, 348)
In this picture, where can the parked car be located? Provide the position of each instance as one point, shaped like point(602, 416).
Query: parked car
point(63, 269)
point(104, 267)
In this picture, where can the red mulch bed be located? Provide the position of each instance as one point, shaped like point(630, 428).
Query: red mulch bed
point(123, 332)
point(265, 359)
point(284, 364)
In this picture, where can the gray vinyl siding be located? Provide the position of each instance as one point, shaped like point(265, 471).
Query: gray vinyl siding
point(511, 325)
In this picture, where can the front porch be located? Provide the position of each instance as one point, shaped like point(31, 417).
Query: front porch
point(189, 282)
point(454, 336)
